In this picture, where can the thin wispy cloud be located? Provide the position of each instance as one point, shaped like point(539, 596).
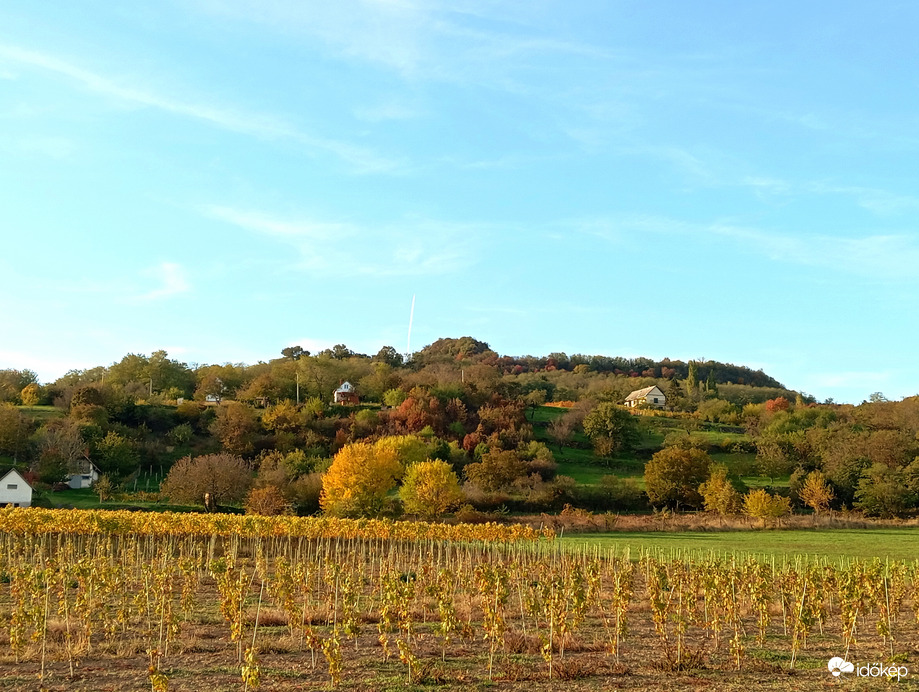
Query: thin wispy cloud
point(259, 125)
point(880, 257)
point(171, 281)
point(416, 247)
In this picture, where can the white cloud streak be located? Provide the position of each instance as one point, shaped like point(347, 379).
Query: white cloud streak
point(883, 258)
point(171, 278)
point(235, 120)
point(417, 247)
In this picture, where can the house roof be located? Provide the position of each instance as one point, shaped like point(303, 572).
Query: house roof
point(19, 475)
point(642, 393)
point(345, 387)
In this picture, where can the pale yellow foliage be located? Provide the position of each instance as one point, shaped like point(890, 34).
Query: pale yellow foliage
point(430, 489)
point(719, 494)
point(816, 493)
point(762, 505)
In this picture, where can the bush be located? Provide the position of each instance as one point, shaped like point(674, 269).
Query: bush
point(267, 501)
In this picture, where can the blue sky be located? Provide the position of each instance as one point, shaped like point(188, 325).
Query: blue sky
point(222, 178)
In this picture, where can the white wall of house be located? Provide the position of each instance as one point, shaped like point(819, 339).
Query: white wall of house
point(14, 490)
point(84, 480)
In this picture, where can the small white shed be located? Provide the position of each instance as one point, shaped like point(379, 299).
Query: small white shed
point(84, 477)
point(15, 490)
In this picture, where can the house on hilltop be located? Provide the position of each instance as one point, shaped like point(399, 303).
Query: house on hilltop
point(652, 397)
point(346, 395)
point(15, 490)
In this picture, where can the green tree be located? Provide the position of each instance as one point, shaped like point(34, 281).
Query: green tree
point(294, 352)
point(884, 492)
point(116, 456)
point(611, 429)
point(390, 356)
point(15, 430)
point(673, 477)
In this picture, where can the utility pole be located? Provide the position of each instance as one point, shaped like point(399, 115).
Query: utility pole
point(151, 387)
point(298, 387)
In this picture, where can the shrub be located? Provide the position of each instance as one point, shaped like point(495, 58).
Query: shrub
point(268, 501)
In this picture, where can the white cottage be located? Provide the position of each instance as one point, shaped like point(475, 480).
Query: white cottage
point(345, 394)
point(651, 397)
point(15, 490)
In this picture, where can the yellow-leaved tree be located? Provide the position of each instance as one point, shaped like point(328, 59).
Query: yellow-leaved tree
point(359, 479)
point(430, 488)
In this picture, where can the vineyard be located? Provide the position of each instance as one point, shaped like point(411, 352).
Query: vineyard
point(134, 602)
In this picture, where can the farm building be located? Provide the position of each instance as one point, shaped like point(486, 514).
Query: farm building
point(346, 395)
point(652, 397)
point(15, 490)
point(83, 475)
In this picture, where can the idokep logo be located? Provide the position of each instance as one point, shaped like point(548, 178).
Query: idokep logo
point(838, 666)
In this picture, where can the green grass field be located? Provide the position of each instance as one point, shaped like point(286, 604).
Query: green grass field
point(42, 413)
point(581, 464)
point(85, 498)
point(834, 544)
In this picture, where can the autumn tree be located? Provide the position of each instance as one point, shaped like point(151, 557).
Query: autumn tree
point(284, 417)
point(209, 480)
point(719, 494)
point(816, 492)
point(61, 450)
point(497, 469)
point(359, 479)
point(429, 489)
point(762, 505)
point(236, 427)
point(673, 476)
point(30, 394)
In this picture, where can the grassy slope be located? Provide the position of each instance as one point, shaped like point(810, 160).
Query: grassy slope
point(582, 465)
point(898, 544)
